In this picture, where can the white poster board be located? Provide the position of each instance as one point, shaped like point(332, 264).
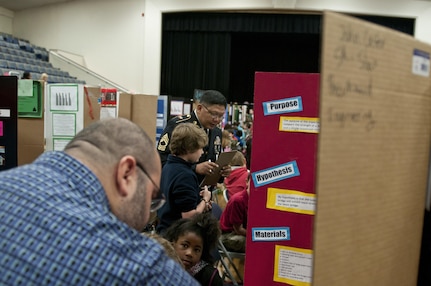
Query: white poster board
point(64, 114)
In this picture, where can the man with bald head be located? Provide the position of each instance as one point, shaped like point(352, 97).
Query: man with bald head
point(74, 217)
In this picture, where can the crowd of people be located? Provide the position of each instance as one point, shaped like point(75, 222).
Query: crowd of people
point(189, 148)
point(27, 75)
point(81, 215)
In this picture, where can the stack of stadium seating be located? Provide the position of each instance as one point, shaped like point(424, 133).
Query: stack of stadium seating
point(18, 56)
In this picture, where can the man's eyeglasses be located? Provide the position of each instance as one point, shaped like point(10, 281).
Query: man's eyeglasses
point(213, 114)
point(160, 200)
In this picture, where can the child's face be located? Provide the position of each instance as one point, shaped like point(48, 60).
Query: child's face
point(193, 157)
point(189, 248)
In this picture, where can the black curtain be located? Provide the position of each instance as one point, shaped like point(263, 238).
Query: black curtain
point(194, 60)
point(274, 52)
point(241, 22)
point(404, 25)
point(223, 50)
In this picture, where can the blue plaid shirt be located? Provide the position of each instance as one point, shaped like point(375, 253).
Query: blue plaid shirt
point(56, 228)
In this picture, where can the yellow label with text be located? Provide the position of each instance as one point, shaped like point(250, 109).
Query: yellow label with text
point(293, 265)
point(299, 124)
point(291, 201)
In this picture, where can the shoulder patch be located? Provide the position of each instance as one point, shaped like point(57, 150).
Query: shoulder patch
point(183, 118)
point(163, 143)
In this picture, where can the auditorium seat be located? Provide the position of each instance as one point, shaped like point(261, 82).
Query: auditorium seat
point(19, 55)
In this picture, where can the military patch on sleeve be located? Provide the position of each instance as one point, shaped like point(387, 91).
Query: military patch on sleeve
point(163, 143)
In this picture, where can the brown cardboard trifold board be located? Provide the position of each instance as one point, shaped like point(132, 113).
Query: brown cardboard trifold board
point(140, 109)
point(373, 154)
point(91, 105)
point(31, 139)
point(72, 107)
point(83, 108)
point(68, 109)
point(345, 206)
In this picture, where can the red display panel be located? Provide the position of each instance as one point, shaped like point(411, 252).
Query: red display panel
point(283, 168)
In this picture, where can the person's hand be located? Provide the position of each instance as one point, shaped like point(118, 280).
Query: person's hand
point(206, 168)
point(225, 171)
point(206, 196)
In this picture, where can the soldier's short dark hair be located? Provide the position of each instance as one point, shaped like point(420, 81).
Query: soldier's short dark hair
point(211, 97)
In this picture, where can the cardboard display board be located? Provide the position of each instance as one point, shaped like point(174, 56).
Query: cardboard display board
point(283, 170)
point(76, 106)
point(373, 154)
point(31, 131)
point(162, 115)
point(371, 166)
point(31, 138)
point(64, 114)
point(30, 98)
point(140, 109)
point(72, 107)
point(91, 105)
point(8, 122)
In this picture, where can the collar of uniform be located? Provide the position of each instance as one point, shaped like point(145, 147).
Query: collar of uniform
point(199, 123)
point(197, 118)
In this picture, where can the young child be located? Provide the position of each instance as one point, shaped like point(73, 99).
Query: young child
point(233, 220)
point(226, 141)
point(179, 183)
point(237, 180)
point(193, 239)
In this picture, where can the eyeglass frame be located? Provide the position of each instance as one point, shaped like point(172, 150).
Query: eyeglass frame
point(160, 200)
point(214, 116)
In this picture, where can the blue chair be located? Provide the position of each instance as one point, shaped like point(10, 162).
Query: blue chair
point(20, 66)
point(11, 65)
point(8, 57)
